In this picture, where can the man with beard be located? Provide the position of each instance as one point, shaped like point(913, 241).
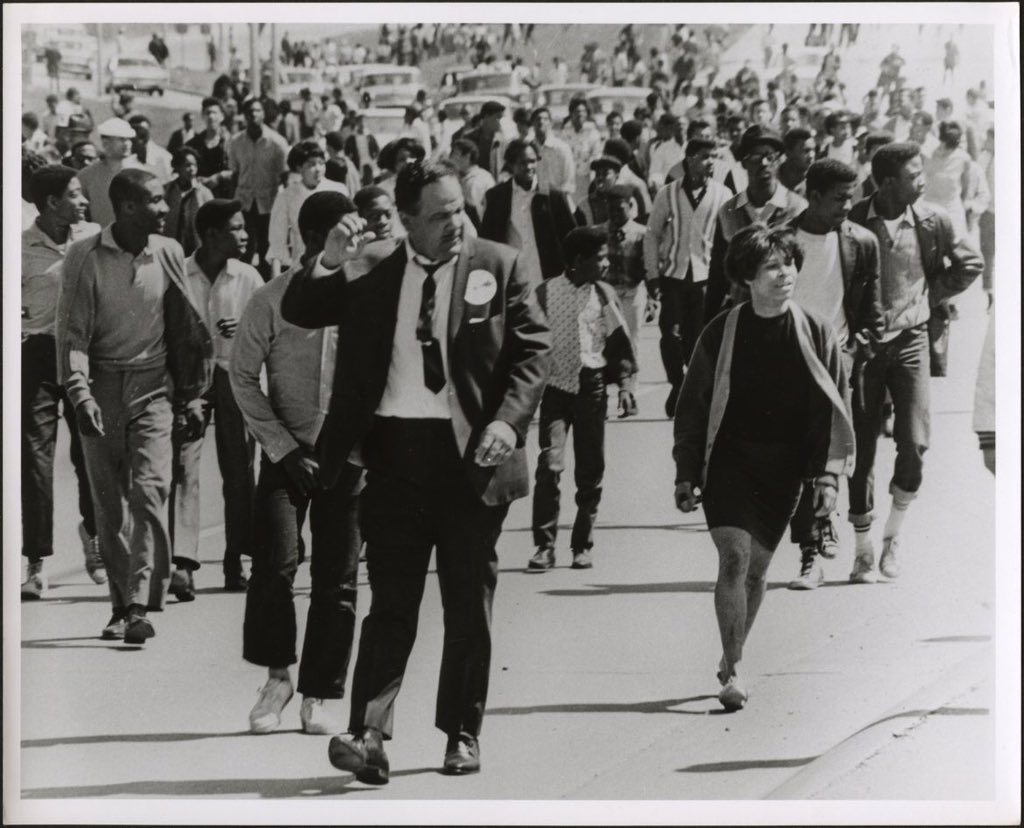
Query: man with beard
point(443, 358)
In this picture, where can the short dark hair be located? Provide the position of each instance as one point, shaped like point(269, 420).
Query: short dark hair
point(30, 162)
point(825, 174)
point(467, 148)
point(516, 147)
point(945, 127)
point(127, 186)
point(617, 148)
point(752, 245)
point(78, 144)
point(889, 159)
point(417, 175)
point(215, 214)
point(31, 120)
point(924, 117)
point(623, 191)
point(211, 101)
point(538, 111)
point(795, 137)
point(334, 140)
point(695, 145)
point(631, 130)
point(367, 195)
point(521, 115)
point(321, 211)
point(613, 114)
point(695, 127)
point(877, 139)
point(248, 104)
point(945, 103)
point(833, 119)
point(577, 100)
point(139, 118)
point(734, 120)
point(302, 152)
point(179, 156)
point(583, 242)
point(51, 180)
point(389, 152)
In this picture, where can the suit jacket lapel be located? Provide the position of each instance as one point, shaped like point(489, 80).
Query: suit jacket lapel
point(847, 254)
point(458, 304)
point(388, 288)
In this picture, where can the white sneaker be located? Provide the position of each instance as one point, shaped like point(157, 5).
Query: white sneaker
point(35, 584)
point(317, 718)
point(91, 552)
point(732, 696)
point(863, 568)
point(887, 564)
point(265, 717)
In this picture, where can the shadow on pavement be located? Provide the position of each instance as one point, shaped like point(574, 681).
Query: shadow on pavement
point(604, 527)
point(957, 639)
point(263, 788)
point(107, 738)
point(93, 642)
point(643, 589)
point(752, 764)
point(657, 706)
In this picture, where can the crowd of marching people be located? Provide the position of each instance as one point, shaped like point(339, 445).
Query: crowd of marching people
point(381, 321)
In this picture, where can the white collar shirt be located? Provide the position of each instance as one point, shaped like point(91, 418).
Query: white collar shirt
point(225, 298)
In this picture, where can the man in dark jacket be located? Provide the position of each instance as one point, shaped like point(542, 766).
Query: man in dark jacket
point(838, 281)
point(443, 355)
point(922, 262)
point(518, 214)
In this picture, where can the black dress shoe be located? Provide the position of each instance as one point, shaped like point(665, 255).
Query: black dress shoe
point(462, 755)
point(137, 628)
point(362, 755)
point(182, 586)
point(235, 583)
point(542, 560)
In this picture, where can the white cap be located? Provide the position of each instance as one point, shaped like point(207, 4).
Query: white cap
point(116, 128)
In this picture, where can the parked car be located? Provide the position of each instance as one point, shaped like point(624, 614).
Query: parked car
point(393, 86)
point(292, 80)
point(622, 99)
point(77, 50)
point(556, 98)
point(140, 73)
point(484, 82)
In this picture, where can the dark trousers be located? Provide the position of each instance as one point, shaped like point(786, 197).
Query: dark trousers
point(901, 366)
point(235, 456)
point(418, 498)
point(257, 225)
point(987, 234)
point(269, 631)
point(584, 413)
point(41, 402)
point(680, 321)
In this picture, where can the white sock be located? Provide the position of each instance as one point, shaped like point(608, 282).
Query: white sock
point(862, 539)
point(896, 515)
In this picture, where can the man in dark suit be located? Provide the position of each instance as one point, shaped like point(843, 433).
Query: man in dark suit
point(444, 356)
point(517, 213)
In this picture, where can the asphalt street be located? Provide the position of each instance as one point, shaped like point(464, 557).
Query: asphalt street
point(603, 682)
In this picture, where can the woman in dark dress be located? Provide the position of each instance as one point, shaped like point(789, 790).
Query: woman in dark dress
point(761, 411)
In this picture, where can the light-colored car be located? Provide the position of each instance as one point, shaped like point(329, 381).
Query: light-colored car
point(556, 98)
point(292, 80)
point(384, 123)
point(393, 86)
point(140, 73)
point(485, 82)
point(622, 99)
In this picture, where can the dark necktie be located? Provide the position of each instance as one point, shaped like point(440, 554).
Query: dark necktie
point(433, 365)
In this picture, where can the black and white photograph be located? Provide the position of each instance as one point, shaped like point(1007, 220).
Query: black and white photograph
point(418, 404)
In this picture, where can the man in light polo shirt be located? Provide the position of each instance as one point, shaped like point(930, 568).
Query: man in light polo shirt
point(125, 326)
point(221, 286)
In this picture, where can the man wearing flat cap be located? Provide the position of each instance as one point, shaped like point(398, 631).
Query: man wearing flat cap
point(116, 136)
point(764, 200)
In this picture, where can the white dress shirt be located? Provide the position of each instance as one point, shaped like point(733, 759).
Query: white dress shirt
point(521, 235)
point(225, 298)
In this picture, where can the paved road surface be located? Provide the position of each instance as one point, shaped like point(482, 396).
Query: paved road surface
point(603, 681)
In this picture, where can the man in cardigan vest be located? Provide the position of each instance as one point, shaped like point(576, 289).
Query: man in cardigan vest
point(126, 320)
point(518, 214)
point(677, 251)
point(923, 261)
point(764, 200)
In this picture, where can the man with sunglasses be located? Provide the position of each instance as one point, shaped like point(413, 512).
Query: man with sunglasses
point(764, 200)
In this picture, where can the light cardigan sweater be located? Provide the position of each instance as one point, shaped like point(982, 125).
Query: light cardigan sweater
point(705, 394)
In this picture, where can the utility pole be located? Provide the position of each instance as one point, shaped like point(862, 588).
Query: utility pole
point(273, 61)
point(254, 64)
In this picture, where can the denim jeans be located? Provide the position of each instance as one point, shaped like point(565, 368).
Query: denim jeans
point(235, 457)
point(901, 366)
point(129, 469)
point(681, 321)
point(584, 413)
point(269, 630)
point(41, 402)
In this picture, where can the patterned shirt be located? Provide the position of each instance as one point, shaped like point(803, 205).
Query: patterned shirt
point(577, 331)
